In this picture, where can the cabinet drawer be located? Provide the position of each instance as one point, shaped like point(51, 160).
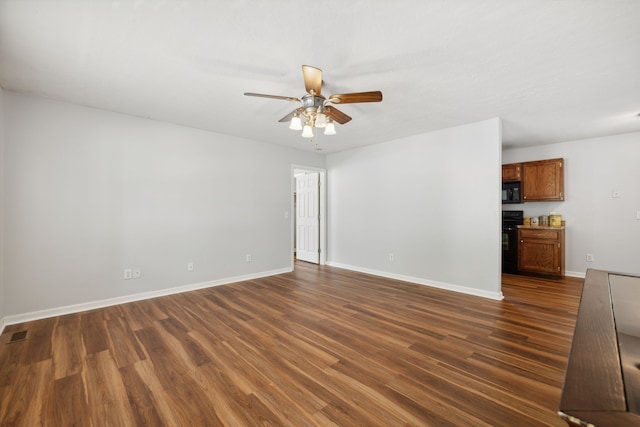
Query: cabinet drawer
point(539, 234)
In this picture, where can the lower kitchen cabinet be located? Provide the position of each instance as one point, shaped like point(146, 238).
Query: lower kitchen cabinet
point(541, 250)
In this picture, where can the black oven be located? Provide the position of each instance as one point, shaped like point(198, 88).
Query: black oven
point(510, 222)
point(511, 192)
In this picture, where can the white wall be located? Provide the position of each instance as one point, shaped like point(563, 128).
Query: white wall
point(596, 222)
point(89, 193)
point(433, 200)
point(2, 303)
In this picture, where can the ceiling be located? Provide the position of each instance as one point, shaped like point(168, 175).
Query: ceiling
point(553, 70)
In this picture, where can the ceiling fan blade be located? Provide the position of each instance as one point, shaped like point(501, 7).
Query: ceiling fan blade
point(312, 79)
point(336, 115)
point(289, 116)
point(261, 95)
point(352, 98)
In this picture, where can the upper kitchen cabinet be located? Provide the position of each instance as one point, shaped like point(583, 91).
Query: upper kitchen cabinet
point(543, 180)
point(512, 172)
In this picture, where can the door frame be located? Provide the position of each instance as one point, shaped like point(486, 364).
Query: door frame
point(322, 210)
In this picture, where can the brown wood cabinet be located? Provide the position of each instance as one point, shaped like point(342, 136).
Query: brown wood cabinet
point(511, 172)
point(543, 180)
point(541, 250)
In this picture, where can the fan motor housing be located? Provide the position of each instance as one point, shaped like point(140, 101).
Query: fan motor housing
point(312, 101)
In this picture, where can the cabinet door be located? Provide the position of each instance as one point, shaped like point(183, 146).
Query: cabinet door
point(511, 172)
point(543, 180)
point(539, 256)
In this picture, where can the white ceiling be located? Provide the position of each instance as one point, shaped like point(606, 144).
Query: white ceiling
point(553, 70)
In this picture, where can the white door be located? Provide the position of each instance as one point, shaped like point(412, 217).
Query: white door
point(307, 217)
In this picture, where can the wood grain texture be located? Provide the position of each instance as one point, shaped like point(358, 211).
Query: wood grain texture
point(317, 347)
point(594, 353)
point(543, 180)
point(511, 172)
point(595, 383)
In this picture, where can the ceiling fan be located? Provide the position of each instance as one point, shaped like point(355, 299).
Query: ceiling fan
point(315, 110)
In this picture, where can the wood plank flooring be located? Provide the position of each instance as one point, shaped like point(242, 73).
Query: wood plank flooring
point(317, 347)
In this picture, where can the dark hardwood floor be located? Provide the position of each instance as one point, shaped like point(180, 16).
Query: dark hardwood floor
point(317, 347)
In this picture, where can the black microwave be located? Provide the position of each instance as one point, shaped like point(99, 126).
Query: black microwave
point(511, 192)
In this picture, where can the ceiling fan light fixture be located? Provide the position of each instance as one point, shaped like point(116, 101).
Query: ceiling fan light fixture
point(307, 132)
point(313, 111)
point(296, 123)
point(330, 129)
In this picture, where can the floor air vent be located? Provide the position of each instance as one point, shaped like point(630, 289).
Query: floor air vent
point(18, 336)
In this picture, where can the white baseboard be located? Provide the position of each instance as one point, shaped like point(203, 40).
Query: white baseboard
point(434, 284)
point(578, 274)
point(75, 308)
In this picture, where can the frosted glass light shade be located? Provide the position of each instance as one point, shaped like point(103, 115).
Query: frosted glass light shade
point(321, 120)
point(307, 132)
point(330, 129)
point(296, 123)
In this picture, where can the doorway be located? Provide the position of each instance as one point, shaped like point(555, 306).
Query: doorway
point(308, 221)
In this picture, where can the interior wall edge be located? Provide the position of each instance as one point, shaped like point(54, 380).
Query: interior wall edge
point(2, 204)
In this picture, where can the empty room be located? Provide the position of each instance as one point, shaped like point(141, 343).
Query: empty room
point(296, 213)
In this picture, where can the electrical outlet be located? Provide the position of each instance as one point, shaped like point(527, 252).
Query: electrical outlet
point(190, 266)
point(248, 258)
point(128, 274)
point(286, 215)
point(391, 257)
point(589, 257)
point(136, 273)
